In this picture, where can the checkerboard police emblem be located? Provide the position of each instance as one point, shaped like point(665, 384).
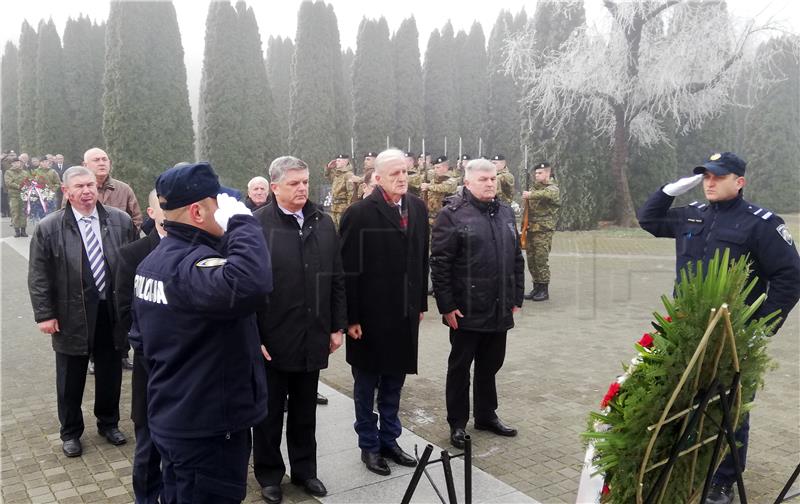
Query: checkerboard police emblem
point(784, 232)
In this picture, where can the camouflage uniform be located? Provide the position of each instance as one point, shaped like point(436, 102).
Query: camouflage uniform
point(505, 186)
point(416, 176)
point(440, 188)
point(341, 191)
point(543, 203)
point(13, 180)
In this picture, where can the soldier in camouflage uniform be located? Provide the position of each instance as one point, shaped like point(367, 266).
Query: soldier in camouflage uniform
point(442, 185)
point(544, 201)
point(415, 177)
point(14, 180)
point(458, 173)
point(505, 180)
point(340, 172)
point(358, 181)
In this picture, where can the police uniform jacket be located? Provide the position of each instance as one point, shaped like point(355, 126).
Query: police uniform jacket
point(195, 298)
point(308, 300)
point(60, 280)
point(476, 263)
point(701, 229)
point(386, 279)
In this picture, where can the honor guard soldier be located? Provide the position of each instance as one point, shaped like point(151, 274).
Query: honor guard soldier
point(415, 176)
point(458, 173)
point(505, 180)
point(442, 186)
point(727, 221)
point(544, 200)
point(340, 172)
point(195, 298)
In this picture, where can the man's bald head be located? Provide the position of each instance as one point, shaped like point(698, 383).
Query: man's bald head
point(97, 160)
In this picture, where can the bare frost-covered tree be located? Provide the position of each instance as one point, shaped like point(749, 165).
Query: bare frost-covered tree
point(632, 82)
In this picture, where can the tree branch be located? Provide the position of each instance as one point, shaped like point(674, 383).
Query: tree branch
point(658, 10)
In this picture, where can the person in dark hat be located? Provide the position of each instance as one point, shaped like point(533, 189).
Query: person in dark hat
point(727, 221)
point(415, 176)
point(369, 161)
point(543, 200)
point(458, 173)
point(344, 184)
point(194, 322)
point(505, 180)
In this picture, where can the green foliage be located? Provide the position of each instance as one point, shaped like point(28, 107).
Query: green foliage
point(279, 62)
point(501, 135)
point(147, 121)
point(51, 107)
point(348, 59)
point(373, 86)
point(409, 118)
point(650, 168)
point(9, 83)
point(472, 85)
point(26, 93)
point(317, 110)
point(441, 105)
point(620, 434)
point(83, 86)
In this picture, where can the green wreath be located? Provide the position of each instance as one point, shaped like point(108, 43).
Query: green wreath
point(634, 404)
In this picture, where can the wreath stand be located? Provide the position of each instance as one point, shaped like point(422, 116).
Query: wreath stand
point(424, 461)
point(693, 428)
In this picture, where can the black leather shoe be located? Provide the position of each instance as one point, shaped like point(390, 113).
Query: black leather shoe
point(272, 494)
point(72, 447)
point(375, 463)
point(497, 427)
point(113, 435)
point(399, 456)
point(720, 494)
point(457, 437)
point(312, 486)
point(321, 399)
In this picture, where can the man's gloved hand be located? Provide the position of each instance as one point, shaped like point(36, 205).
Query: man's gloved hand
point(683, 185)
point(228, 207)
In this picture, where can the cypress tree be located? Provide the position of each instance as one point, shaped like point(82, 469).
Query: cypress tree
point(348, 59)
point(279, 62)
point(315, 114)
point(409, 118)
point(9, 128)
point(51, 107)
point(83, 86)
point(147, 120)
point(502, 129)
point(441, 107)
point(473, 88)
point(26, 92)
point(373, 86)
point(343, 103)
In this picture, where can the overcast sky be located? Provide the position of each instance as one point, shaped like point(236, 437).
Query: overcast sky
point(279, 18)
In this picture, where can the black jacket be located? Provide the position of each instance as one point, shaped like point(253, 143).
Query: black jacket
point(59, 279)
point(130, 256)
point(307, 303)
point(700, 229)
point(386, 278)
point(476, 263)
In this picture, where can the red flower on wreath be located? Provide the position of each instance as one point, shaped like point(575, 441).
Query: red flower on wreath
point(613, 390)
point(646, 341)
point(668, 318)
point(606, 490)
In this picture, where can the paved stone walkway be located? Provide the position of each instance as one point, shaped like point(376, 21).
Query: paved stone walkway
point(560, 359)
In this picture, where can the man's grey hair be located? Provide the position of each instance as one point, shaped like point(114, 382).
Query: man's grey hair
point(477, 165)
point(388, 155)
point(279, 167)
point(257, 180)
point(76, 171)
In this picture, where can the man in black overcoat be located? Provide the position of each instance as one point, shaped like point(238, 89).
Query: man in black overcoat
point(385, 257)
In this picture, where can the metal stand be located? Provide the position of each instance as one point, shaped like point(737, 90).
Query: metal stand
point(782, 497)
point(424, 461)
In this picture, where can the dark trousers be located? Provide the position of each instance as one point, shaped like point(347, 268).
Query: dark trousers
point(301, 424)
point(147, 485)
point(370, 437)
point(726, 472)
point(71, 380)
point(209, 470)
point(488, 350)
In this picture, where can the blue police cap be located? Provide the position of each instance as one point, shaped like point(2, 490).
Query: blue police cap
point(723, 163)
point(185, 184)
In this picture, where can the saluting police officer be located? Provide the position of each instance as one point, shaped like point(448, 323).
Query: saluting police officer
point(195, 298)
point(727, 221)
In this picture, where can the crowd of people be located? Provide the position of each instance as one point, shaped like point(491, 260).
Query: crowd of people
point(233, 303)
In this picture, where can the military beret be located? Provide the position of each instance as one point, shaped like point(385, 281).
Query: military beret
point(465, 157)
point(183, 185)
point(343, 156)
point(542, 165)
point(371, 154)
point(440, 159)
point(410, 154)
point(723, 164)
point(498, 157)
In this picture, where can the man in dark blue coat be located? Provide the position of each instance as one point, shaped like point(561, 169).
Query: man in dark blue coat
point(478, 280)
point(727, 221)
point(195, 298)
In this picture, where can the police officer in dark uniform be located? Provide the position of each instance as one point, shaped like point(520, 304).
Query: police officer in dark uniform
point(728, 221)
point(195, 298)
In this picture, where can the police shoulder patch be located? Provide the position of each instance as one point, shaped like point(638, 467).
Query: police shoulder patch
point(785, 234)
point(762, 213)
point(211, 262)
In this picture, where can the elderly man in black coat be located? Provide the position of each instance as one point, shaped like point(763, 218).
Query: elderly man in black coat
point(73, 255)
point(301, 325)
point(477, 273)
point(385, 255)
